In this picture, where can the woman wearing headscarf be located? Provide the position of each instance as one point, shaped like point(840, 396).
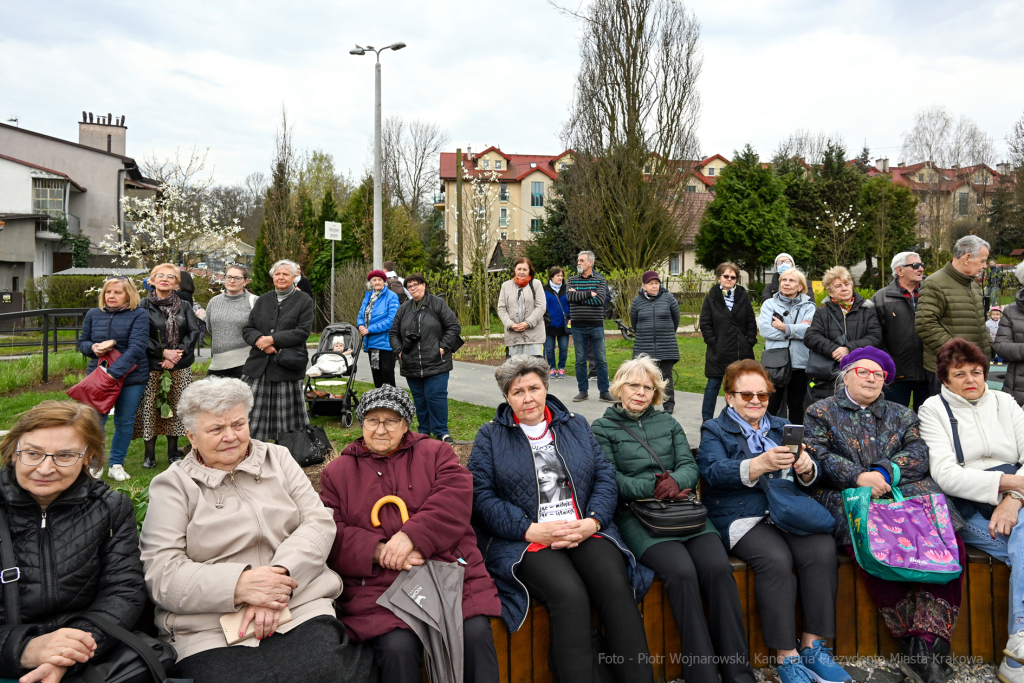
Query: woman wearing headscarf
point(521, 307)
point(783, 262)
point(374, 320)
point(173, 333)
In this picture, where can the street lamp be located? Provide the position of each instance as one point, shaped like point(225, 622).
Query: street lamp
point(378, 218)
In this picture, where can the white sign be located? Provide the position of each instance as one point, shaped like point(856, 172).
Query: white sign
point(332, 230)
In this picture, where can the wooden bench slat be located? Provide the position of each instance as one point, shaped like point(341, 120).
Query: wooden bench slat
point(654, 625)
point(541, 641)
point(673, 642)
point(867, 618)
point(521, 652)
point(1000, 606)
point(979, 588)
point(846, 612)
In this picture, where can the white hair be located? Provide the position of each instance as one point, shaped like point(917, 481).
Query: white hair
point(214, 396)
point(969, 244)
point(900, 260)
point(588, 254)
point(292, 265)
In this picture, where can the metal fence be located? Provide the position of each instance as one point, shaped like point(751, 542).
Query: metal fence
point(51, 320)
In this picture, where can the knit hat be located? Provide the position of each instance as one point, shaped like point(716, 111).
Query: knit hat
point(871, 353)
point(783, 255)
point(376, 273)
point(651, 275)
point(388, 397)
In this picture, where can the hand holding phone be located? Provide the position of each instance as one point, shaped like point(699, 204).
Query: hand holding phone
point(793, 437)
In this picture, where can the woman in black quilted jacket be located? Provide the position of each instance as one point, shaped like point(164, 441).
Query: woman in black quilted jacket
point(75, 543)
point(729, 328)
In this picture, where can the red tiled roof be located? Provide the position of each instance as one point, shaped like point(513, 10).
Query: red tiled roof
point(492, 148)
point(43, 168)
point(701, 164)
point(517, 168)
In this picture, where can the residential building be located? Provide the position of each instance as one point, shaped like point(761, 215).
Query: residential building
point(43, 177)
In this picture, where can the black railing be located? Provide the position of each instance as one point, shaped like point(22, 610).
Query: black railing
point(46, 314)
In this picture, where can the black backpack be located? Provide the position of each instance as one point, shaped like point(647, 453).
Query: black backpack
point(398, 288)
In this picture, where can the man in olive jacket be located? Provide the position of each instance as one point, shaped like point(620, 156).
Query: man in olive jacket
point(951, 304)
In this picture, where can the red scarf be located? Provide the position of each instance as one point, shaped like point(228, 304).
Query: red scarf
point(521, 282)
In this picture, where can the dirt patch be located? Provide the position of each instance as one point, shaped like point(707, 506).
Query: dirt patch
point(475, 351)
point(55, 384)
point(462, 450)
point(313, 471)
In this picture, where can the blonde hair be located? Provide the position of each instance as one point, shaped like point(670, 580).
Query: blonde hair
point(83, 418)
point(835, 273)
point(129, 290)
point(641, 365)
point(166, 266)
point(799, 276)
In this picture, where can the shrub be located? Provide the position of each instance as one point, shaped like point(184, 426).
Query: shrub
point(63, 291)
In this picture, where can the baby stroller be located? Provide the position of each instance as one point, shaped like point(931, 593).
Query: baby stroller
point(335, 404)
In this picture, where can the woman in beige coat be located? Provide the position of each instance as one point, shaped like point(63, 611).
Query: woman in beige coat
point(521, 308)
point(236, 527)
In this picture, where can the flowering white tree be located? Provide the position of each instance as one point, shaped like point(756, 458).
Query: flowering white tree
point(837, 235)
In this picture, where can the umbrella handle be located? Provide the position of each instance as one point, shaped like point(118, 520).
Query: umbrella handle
point(375, 519)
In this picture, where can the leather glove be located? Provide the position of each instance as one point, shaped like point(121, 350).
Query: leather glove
point(665, 486)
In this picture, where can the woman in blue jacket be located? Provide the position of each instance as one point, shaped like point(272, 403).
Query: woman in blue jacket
point(558, 320)
point(375, 317)
point(119, 320)
point(544, 496)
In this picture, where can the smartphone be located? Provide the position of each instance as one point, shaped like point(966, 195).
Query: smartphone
point(230, 623)
point(792, 437)
point(778, 316)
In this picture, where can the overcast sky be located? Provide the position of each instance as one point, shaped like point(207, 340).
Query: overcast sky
point(216, 74)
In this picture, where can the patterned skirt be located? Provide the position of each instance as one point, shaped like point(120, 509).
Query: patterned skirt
point(148, 423)
point(277, 408)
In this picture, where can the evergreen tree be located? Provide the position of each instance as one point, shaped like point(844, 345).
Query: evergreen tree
point(747, 220)
point(437, 243)
point(554, 242)
point(1006, 221)
point(346, 249)
point(261, 264)
point(887, 226)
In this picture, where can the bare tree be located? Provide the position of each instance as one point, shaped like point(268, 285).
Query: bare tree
point(1015, 142)
point(633, 127)
point(806, 145)
point(410, 160)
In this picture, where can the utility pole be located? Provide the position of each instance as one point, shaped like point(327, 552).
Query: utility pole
point(458, 211)
point(378, 213)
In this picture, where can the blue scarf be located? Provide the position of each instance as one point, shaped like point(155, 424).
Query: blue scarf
point(757, 439)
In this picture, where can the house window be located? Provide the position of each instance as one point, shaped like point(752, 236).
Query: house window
point(503, 218)
point(963, 203)
point(497, 164)
point(920, 177)
point(48, 196)
point(503, 235)
point(647, 169)
point(674, 265)
point(537, 193)
point(691, 188)
point(534, 224)
point(977, 197)
point(486, 164)
point(711, 170)
point(503, 193)
point(563, 165)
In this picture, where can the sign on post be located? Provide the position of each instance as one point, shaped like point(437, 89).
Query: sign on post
point(332, 230)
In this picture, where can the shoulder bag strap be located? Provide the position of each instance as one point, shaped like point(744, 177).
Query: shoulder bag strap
point(10, 574)
point(642, 443)
point(127, 638)
point(956, 432)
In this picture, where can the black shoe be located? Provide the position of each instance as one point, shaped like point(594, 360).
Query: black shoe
point(606, 397)
point(149, 463)
point(917, 663)
point(171, 459)
point(582, 396)
point(942, 654)
point(668, 407)
point(447, 438)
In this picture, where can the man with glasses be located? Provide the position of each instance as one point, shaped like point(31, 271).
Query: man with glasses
point(896, 306)
point(226, 315)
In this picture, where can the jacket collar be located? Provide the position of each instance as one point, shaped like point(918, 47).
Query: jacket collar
point(955, 400)
point(877, 408)
point(213, 478)
point(957, 275)
point(617, 412)
point(801, 299)
point(559, 413)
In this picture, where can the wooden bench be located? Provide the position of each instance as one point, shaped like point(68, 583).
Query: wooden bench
point(981, 630)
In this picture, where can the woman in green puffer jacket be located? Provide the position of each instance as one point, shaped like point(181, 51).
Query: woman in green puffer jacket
point(685, 563)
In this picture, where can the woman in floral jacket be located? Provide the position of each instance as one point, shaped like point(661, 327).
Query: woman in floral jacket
point(856, 436)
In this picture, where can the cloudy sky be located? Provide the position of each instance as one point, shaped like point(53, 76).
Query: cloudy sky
point(216, 74)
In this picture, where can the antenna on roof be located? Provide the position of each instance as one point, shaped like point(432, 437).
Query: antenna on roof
point(14, 120)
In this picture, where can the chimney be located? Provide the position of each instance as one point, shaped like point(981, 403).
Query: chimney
point(106, 133)
point(901, 164)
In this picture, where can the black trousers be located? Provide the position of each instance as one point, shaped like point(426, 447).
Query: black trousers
point(689, 569)
point(317, 651)
point(669, 401)
point(385, 372)
point(792, 396)
point(229, 372)
point(773, 554)
point(400, 654)
point(568, 582)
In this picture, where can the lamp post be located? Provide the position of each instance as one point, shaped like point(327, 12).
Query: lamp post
point(378, 217)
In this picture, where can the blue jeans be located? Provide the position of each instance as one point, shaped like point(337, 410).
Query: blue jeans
point(563, 351)
point(124, 421)
point(1009, 550)
point(430, 394)
point(584, 339)
point(707, 411)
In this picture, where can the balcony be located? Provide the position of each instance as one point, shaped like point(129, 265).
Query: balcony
point(503, 222)
point(503, 196)
point(439, 200)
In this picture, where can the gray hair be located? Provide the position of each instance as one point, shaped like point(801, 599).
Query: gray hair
point(969, 244)
point(517, 366)
point(214, 396)
point(292, 265)
point(588, 254)
point(641, 365)
point(900, 260)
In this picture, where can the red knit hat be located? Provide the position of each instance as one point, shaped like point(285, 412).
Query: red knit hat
point(377, 273)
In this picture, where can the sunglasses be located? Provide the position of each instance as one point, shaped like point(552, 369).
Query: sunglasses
point(747, 396)
point(728, 277)
point(916, 266)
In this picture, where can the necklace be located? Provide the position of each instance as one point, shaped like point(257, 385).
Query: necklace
point(547, 428)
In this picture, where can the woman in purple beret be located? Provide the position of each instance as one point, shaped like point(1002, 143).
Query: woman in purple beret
point(856, 437)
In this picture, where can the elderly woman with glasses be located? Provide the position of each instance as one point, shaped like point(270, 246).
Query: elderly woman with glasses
point(688, 564)
point(389, 461)
point(279, 324)
point(544, 500)
point(173, 333)
point(74, 541)
point(857, 437)
point(237, 529)
point(738, 449)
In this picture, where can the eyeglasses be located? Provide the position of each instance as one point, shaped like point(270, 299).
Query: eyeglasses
point(415, 283)
point(747, 396)
point(164, 276)
point(33, 458)
point(636, 386)
point(863, 373)
point(233, 278)
point(728, 277)
point(916, 266)
point(390, 424)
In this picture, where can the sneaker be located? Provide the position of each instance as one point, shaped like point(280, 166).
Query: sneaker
point(553, 374)
point(117, 473)
point(447, 438)
point(606, 397)
point(582, 396)
point(818, 660)
point(793, 671)
point(561, 374)
point(1009, 674)
point(1015, 647)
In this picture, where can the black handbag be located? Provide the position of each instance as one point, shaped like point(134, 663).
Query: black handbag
point(140, 659)
point(777, 363)
point(666, 518)
point(294, 358)
point(308, 447)
point(825, 367)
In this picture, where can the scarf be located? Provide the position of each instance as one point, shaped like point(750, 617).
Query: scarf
point(281, 296)
point(730, 299)
point(374, 353)
point(170, 307)
point(757, 439)
point(119, 309)
point(555, 288)
point(845, 307)
point(521, 282)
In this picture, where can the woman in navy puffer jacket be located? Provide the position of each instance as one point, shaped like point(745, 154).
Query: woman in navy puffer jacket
point(119, 319)
point(544, 496)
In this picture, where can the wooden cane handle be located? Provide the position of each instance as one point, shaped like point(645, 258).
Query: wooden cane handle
point(374, 517)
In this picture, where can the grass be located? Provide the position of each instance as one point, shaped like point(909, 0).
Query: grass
point(22, 373)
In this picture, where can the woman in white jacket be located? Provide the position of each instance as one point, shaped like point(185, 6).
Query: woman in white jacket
point(979, 467)
point(521, 307)
point(783, 320)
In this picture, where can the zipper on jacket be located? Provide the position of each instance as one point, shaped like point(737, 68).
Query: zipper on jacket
point(255, 515)
point(50, 590)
